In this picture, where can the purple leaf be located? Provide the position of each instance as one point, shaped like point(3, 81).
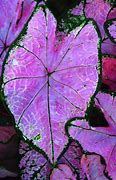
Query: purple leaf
point(63, 171)
point(108, 47)
point(46, 85)
point(102, 8)
point(101, 140)
point(33, 164)
point(13, 16)
point(111, 29)
point(93, 168)
point(78, 10)
point(112, 13)
point(72, 157)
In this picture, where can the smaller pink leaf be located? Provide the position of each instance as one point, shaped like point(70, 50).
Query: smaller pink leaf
point(78, 10)
point(111, 29)
point(112, 13)
point(91, 165)
point(102, 8)
point(72, 158)
point(63, 171)
point(108, 47)
point(33, 164)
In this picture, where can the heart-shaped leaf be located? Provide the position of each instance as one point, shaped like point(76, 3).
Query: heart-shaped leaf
point(102, 8)
point(47, 84)
point(33, 164)
point(101, 140)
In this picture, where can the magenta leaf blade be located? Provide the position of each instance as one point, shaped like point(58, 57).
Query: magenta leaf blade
point(92, 166)
point(45, 86)
point(111, 29)
point(102, 8)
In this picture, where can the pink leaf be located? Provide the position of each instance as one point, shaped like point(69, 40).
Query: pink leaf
point(109, 72)
point(13, 17)
point(78, 10)
point(108, 47)
point(112, 13)
point(111, 29)
point(72, 158)
point(93, 168)
point(45, 85)
point(33, 164)
point(101, 140)
point(63, 171)
point(98, 10)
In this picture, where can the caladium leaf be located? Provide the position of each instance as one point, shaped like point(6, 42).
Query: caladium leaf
point(33, 164)
point(78, 10)
point(111, 29)
point(63, 171)
point(92, 166)
point(72, 158)
point(108, 47)
point(102, 8)
point(13, 16)
point(101, 140)
point(109, 72)
point(112, 13)
point(46, 85)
